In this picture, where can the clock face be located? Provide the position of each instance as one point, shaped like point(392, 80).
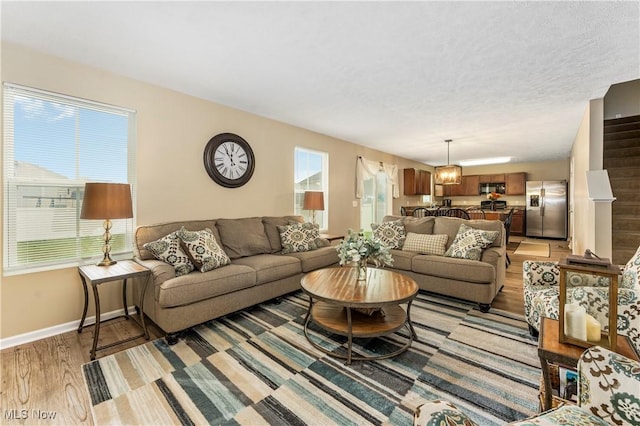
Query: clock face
point(229, 160)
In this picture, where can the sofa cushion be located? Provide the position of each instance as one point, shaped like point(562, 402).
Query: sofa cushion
point(402, 260)
point(316, 259)
point(168, 250)
point(418, 225)
point(243, 237)
point(299, 237)
point(271, 224)
point(426, 244)
point(148, 233)
point(390, 233)
point(470, 242)
point(451, 225)
point(454, 268)
point(195, 287)
point(202, 249)
point(631, 272)
point(270, 267)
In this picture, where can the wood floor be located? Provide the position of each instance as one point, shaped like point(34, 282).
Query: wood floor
point(42, 382)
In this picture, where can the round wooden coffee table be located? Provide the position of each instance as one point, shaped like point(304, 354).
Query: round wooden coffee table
point(337, 292)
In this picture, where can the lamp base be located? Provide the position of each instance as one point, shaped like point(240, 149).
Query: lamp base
point(107, 262)
point(106, 249)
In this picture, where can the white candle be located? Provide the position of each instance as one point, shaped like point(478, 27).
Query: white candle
point(575, 324)
point(593, 329)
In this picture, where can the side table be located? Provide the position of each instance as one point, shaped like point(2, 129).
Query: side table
point(97, 275)
point(552, 351)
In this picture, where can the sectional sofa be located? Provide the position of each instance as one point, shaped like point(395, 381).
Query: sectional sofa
point(252, 265)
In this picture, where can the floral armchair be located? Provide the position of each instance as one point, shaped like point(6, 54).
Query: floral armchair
point(608, 394)
point(541, 292)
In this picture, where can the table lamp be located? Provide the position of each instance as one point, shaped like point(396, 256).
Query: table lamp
point(313, 200)
point(107, 201)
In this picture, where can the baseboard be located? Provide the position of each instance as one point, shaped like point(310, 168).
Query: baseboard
point(32, 336)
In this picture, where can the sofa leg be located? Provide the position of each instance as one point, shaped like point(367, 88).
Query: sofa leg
point(172, 338)
point(533, 332)
point(484, 307)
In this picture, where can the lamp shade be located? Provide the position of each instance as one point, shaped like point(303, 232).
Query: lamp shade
point(106, 201)
point(313, 200)
point(448, 175)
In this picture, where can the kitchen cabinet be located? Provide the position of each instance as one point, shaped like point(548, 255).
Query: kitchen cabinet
point(499, 178)
point(469, 186)
point(417, 182)
point(517, 223)
point(515, 183)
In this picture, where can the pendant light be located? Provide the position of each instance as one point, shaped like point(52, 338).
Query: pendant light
point(450, 174)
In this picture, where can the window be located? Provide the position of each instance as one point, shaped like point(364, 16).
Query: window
point(375, 203)
point(53, 144)
point(311, 174)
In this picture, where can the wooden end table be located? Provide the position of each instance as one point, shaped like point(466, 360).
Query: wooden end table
point(337, 292)
point(552, 351)
point(97, 275)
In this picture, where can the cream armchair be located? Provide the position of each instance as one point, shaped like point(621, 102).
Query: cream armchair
point(608, 394)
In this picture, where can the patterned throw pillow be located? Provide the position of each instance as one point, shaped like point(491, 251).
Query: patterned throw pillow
point(470, 242)
point(298, 237)
point(167, 249)
point(631, 273)
point(426, 243)
point(203, 249)
point(390, 233)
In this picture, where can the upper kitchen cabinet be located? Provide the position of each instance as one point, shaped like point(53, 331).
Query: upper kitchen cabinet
point(417, 182)
point(515, 183)
point(469, 186)
point(499, 178)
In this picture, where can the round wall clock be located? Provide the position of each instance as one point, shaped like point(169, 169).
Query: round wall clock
point(229, 160)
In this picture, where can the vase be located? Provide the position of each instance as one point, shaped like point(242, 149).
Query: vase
point(362, 269)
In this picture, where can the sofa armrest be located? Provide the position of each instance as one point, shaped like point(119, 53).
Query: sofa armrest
point(160, 271)
point(540, 274)
point(609, 386)
point(493, 255)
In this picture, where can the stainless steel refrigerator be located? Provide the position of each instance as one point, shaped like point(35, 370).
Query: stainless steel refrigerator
point(546, 209)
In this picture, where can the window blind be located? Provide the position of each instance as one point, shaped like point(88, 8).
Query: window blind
point(53, 144)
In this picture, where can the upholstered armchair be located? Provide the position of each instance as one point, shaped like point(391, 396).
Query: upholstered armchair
point(541, 292)
point(608, 394)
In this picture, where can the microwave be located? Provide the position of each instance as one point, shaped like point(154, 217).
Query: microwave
point(488, 188)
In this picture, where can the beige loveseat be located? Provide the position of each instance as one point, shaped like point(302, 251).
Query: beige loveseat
point(475, 280)
point(258, 271)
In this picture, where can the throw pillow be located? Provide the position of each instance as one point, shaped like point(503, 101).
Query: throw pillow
point(203, 249)
point(299, 237)
point(631, 272)
point(390, 233)
point(167, 249)
point(470, 242)
point(425, 243)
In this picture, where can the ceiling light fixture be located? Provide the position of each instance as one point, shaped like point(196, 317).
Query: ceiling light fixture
point(485, 161)
point(450, 174)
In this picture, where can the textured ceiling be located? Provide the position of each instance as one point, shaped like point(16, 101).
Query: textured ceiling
point(499, 78)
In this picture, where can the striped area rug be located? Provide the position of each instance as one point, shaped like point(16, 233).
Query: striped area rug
point(256, 367)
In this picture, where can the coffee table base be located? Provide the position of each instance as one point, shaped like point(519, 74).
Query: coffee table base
point(343, 321)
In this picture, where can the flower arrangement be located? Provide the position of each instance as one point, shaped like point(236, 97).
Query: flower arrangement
point(493, 196)
point(359, 248)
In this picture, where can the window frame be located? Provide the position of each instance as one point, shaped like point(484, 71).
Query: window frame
point(11, 265)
